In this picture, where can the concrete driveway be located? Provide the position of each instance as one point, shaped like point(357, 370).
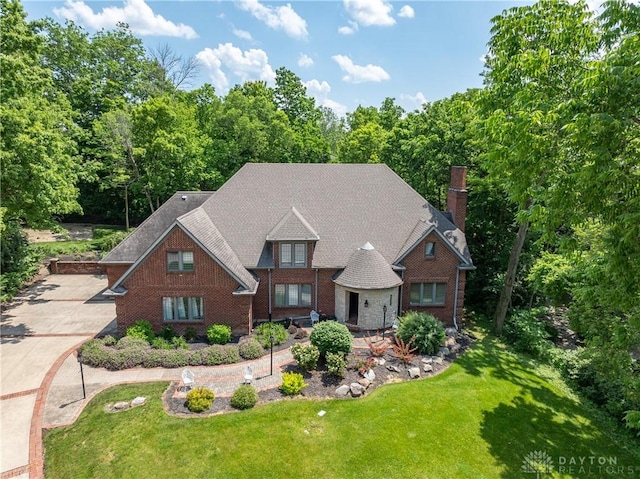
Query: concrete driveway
point(38, 331)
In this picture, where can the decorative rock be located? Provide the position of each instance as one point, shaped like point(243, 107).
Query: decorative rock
point(427, 368)
point(119, 406)
point(450, 331)
point(364, 382)
point(440, 354)
point(342, 391)
point(449, 341)
point(437, 360)
point(414, 373)
point(370, 375)
point(427, 360)
point(443, 351)
point(393, 368)
point(455, 348)
point(139, 401)
point(357, 389)
point(382, 361)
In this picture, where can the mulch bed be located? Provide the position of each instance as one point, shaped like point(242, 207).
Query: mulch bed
point(322, 385)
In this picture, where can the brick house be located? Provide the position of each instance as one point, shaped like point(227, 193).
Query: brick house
point(354, 241)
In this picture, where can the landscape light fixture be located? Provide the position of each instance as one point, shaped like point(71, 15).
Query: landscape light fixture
point(84, 393)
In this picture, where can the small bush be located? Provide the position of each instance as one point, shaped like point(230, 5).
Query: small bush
point(264, 331)
point(427, 330)
point(109, 340)
point(141, 329)
point(377, 349)
point(331, 337)
point(128, 342)
point(336, 364)
point(200, 399)
point(306, 356)
point(178, 342)
point(292, 383)
point(527, 333)
point(190, 333)
point(404, 351)
point(364, 364)
point(219, 334)
point(160, 343)
point(167, 333)
point(245, 397)
point(250, 349)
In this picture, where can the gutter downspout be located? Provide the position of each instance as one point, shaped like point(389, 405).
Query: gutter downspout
point(400, 298)
point(269, 292)
point(455, 299)
point(315, 302)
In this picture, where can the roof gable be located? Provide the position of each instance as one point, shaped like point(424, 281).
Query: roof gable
point(293, 227)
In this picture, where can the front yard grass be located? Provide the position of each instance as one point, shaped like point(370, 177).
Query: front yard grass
point(478, 419)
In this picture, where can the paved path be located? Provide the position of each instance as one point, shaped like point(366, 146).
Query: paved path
point(38, 331)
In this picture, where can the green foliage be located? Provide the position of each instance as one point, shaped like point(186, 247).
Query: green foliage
point(245, 397)
point(161, 343)
point(331, 337)
point(632, 419)
point(109, 340)
point(528, 333)
point(141, 329)
point(264, 332)
point(306, 356)
point(250, 349)
point(425, 328)
point(553, 275)
point(134, 341)
point(336, 364)
point(179, 342)
point(219, 334)
point(167, 332)
point(216, 354)
point(18, 263)
point(200, 399)
point(190, 333)
point(292, 383)
point(108, 242)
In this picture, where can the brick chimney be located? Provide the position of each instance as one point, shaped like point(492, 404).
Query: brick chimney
point(457, 196)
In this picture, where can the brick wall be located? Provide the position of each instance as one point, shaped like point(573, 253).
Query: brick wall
point(76, 267)
point(151, 281)
point(439, 269)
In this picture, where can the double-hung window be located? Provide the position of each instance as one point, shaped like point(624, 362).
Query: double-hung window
point(428, 294)
point(182, 308)
point(293, 295)
point(180, 261)
point(293, 255)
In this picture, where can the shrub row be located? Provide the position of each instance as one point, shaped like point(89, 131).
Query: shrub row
point(135, 352)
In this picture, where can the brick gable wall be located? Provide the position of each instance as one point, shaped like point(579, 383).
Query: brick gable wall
point(439, 269)
point(151, 281)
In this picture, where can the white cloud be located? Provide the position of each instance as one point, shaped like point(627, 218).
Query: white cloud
point(406, 12)
point(136, 13)
point(319, 91)
point(305, 60)
point(370, 12)
point(242, 34)
point(350, 29)
point(251, 64)
point(281, 17)
point(359, 73)
point(418, 99)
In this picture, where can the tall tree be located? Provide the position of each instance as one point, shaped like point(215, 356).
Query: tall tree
point(37, 153)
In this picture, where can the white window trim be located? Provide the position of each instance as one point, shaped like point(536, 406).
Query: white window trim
point(181, 262)
point(295, 258)
point(424, 293)
point(286, 295)
point(174, 309)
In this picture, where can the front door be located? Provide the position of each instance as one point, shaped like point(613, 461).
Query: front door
point(354, 301)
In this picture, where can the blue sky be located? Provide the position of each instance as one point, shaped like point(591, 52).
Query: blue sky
point(347, 52)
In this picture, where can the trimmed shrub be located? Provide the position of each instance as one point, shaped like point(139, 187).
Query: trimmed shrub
point(264, 331)
point(200, 399)
point(190, 333)
point(109, 340)
point(306, 356)
point(167, 333)
point(219, 334)
point(160, 343)
point(336, 364)
point(178, 342)
point(427, 330)
point(245, 397)
point(292, 383)
point(175, 358)
point(331, 337)
point(141, 329)
point(95, 353)
point(250, 349)
point(527, 333)
point(154, 358)
point(128, 342)
point(219, 354)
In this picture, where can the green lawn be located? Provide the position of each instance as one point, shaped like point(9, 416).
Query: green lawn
point(479, 419)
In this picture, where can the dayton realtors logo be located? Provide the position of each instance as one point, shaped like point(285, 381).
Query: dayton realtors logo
point(537, 462)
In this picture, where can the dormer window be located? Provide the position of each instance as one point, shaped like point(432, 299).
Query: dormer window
point(293, 255)
point(179, 261)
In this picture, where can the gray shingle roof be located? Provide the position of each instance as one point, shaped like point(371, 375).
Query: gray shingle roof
point(293, 227)
point(129, 250)
point(367, 269)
